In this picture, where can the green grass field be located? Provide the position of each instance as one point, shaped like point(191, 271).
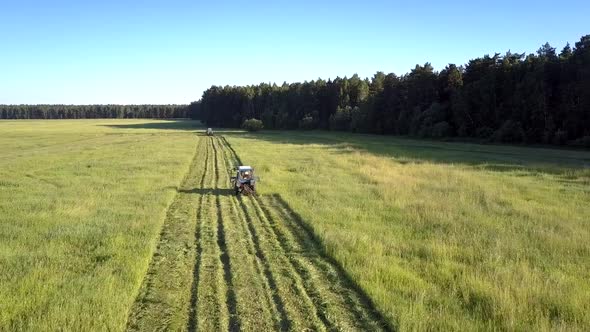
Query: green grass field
point(81, 207)
point(131, 224)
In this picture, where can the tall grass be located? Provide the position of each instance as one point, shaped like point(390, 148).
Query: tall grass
point(81, 206)
point(442, 235)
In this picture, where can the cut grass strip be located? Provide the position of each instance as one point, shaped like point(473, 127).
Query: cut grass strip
point(254, 266)
point(192, 320)
point(290, 298)
point(342, 298)
point(224, 257)
point(335, 301)
point(163, 297)
point(212, 312)
point(250, 283)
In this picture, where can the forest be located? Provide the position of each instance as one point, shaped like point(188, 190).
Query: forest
point(506, 98)
point(92, 111)
point(541, 98)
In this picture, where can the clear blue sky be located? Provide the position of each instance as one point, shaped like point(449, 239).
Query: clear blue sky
point(86, 52)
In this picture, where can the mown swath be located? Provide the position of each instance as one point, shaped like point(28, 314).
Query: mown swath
point(192, 319)
point(163, 298)
point(299, 312)
point(338, 301)
point(303, 290)
point(231, 302)
point(354, 310)
point(242, 263)
point(300, 307)
point(261, 283)
point(211, 310)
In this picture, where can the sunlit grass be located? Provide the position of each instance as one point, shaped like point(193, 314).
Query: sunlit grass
point(442, 235)
point(81, 205)
point(439, 235)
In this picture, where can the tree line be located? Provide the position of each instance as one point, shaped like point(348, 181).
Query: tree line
point(534, 98)
point(93, 111)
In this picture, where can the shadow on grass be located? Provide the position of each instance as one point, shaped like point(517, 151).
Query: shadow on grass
point(208, 191)
point(495, 158)
point(176, 124)
point(308, 239)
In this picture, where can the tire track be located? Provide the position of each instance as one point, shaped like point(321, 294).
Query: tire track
point(231, 301)
point(211, 306)
point(192, 320)
point(302, 288)
point(242, 263)
point(162, 300)
point(255, 305)
point(272, 298)
point(345, 295)
point(301, 276)
point(283, 321)
point(338, 301)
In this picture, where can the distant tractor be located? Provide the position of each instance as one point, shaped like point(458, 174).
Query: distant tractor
point(244, 182)
point(209, 131)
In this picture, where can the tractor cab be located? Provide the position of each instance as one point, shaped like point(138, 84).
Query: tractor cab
point(245, 172)
point(244, 181)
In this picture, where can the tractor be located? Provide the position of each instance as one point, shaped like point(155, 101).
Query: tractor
point(244, 182)
point(209, 131)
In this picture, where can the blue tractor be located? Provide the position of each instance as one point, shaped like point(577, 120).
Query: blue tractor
point(244, 182)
